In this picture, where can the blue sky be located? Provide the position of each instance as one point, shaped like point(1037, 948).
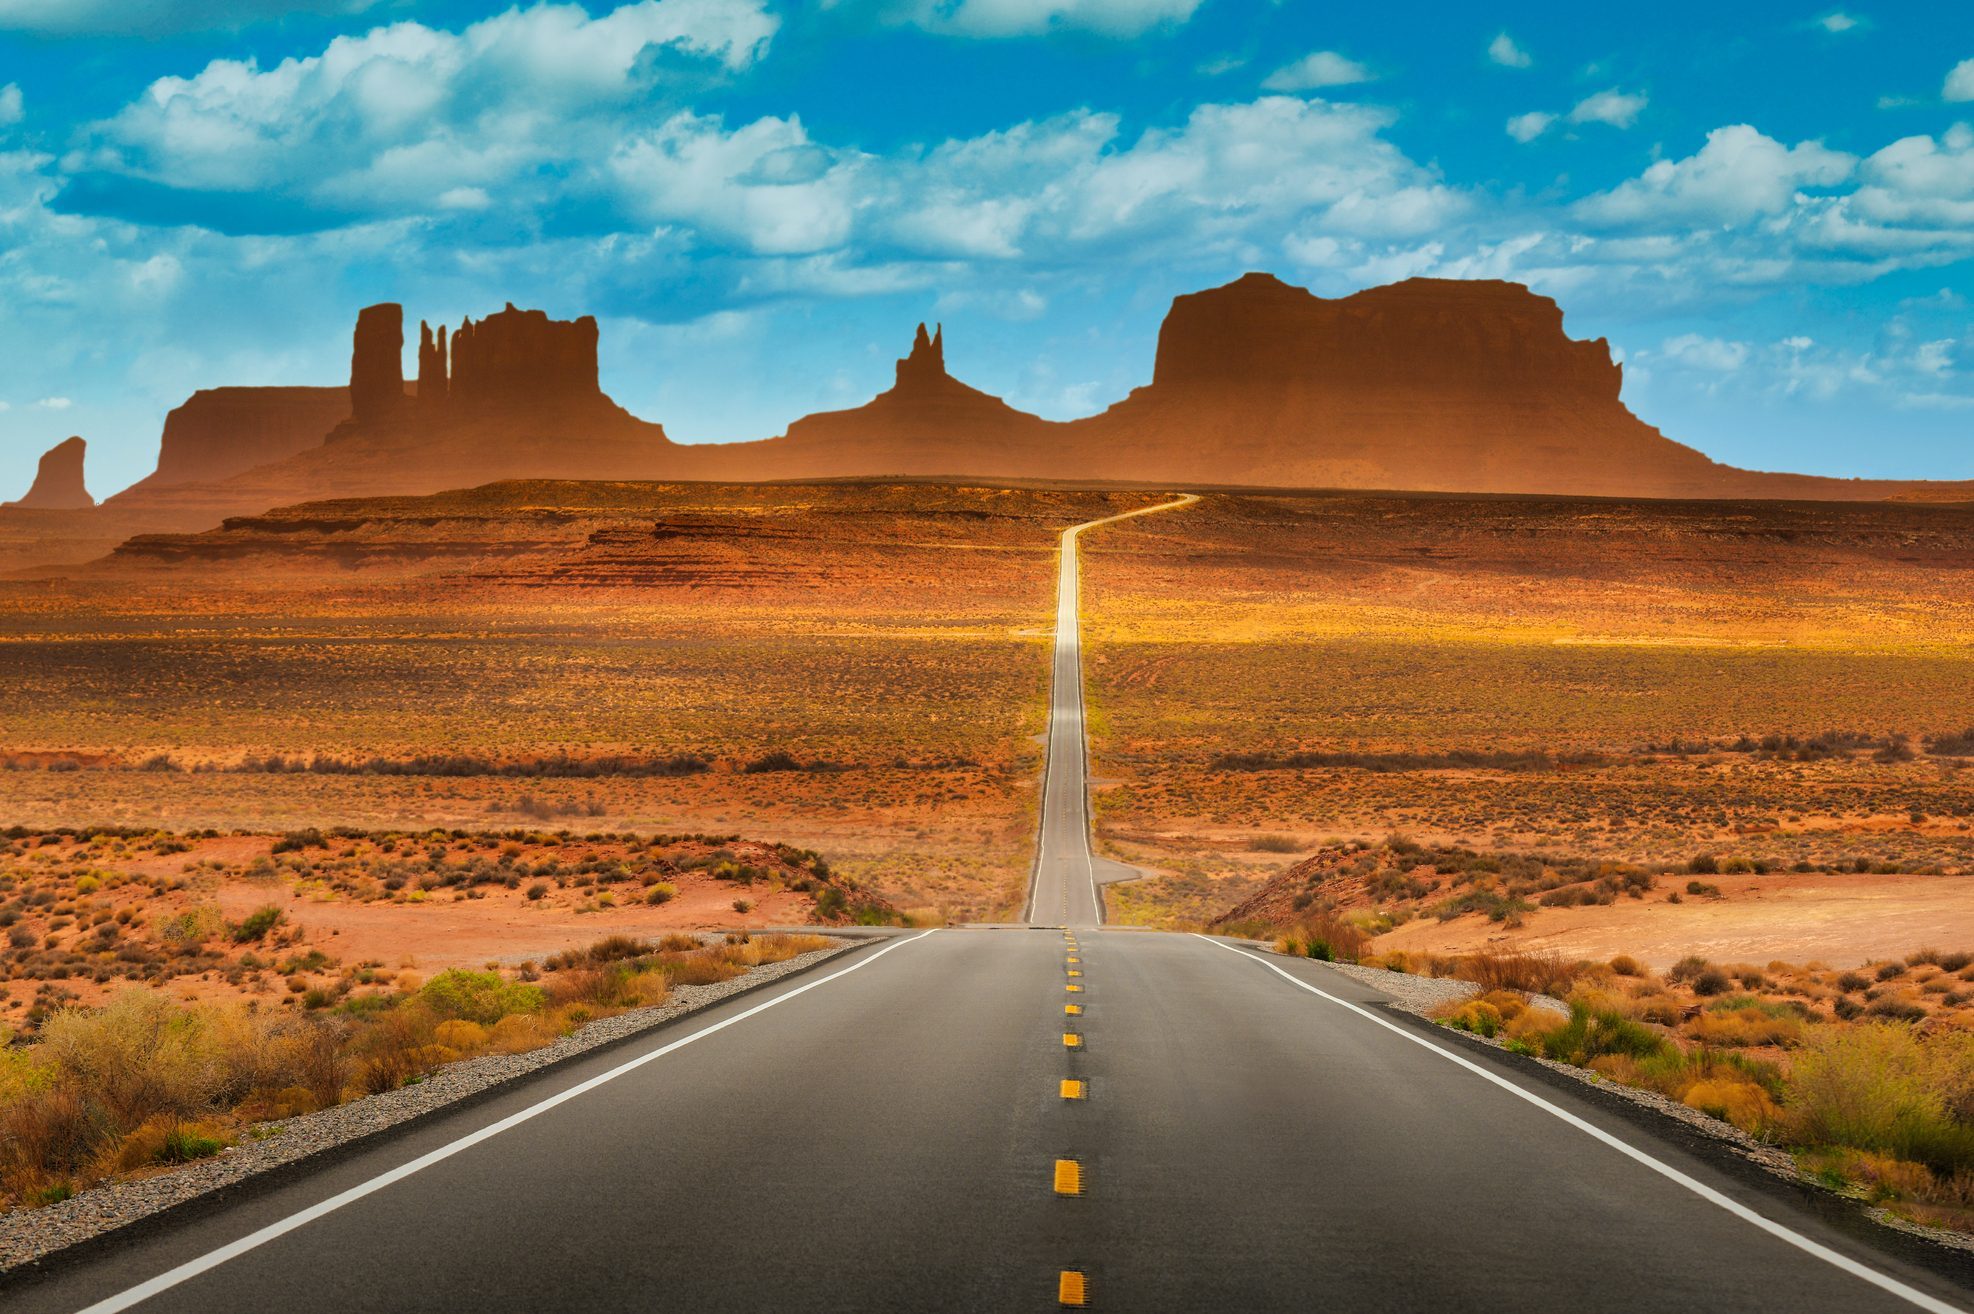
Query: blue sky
point(1767, 208)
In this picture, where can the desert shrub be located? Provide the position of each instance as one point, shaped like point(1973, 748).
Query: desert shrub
point(1276, 844)
point(1740, 1022)
point(257, 924)
point(1881, 1087)
point(1324, 937)
point(184, 1144)
point(1626, 965)
point(192, 927)
point(1711, 982)
point(483, 997)
point(1532, 971)
point(1594, 1032)
point(661, 892)
point(775, 761)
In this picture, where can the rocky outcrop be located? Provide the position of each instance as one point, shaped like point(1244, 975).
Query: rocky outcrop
point(925, 367)
point(58, 484)
point(433, 386)
point(221, 431)
point(927, 423)
point(1430, 384)
point(377, 365)
point(521, 360)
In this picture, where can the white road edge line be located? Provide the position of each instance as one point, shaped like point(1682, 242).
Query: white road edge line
point(1798, 1240)
point(253, 1240)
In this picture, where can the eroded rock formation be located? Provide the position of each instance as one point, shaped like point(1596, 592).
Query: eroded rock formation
point(377, 364)
point(58, 482)
point(433, 385)
point(221, 431)
point(523, 360)
point(1429, 384)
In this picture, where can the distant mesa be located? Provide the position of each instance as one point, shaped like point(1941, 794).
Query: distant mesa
point(219, 432)
point(58, 484)
point(1427, 384)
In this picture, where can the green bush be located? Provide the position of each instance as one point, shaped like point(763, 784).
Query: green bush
point(257, 924)
point(183, 1145)
point(483, 997)
point(1594, 1032)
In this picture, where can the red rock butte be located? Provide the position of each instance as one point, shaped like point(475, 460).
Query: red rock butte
point(1427, 384)
point(58, 483)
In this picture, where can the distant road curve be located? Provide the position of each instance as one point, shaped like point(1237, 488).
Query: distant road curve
point(1063, 890)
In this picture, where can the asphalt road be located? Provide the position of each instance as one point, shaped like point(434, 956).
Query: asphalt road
point(1017, 1120)
point(883, 1134)
point(1066, 888)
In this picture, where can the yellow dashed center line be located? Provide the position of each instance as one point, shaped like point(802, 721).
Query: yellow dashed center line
point(1073, 989)
point(1072, 1010)
point(1073, 960)
point(1073, 1090)
point(1069, 1177)
point(1074, 972)
point(1070, 1040)
point(1072, 1292)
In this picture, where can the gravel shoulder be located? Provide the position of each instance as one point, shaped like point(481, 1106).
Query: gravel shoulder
point(1420, 996)
point(29, 1236)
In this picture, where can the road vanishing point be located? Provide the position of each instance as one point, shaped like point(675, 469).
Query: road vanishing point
point(1055, 1116)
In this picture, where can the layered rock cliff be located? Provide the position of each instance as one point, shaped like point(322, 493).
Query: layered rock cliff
point(58, 483)
point(221, 431)
point(511, 396)
point(1427, 384)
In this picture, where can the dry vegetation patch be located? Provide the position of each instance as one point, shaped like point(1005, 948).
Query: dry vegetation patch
point(312, 919)
point(142, 1084)
point(1782, 685)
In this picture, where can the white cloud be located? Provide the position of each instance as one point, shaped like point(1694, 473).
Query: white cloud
point(1503, 51)
point(1229, 172)
point(1007, 18)
point(1960, 82)
point(1617, 108)
point(1919, 181)
point(763, 186)
point(10, 105)
point(1936, 357)
point(1837, 21)
point(1527, 127)
point(125, 18)
point(1739, 175)
point(1324, 68)
point(402, 117)
point(54, 403)
point(1703, 353)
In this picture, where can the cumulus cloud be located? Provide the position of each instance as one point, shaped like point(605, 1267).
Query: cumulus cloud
point(1527, 127)
point(391, 121)
point(125, 18)
point(10, 105)
point(1008, 18)
point(1705, 353)
point(1503, 51)
point(1324, 68)
point(1960, 82)
point(1837, 22)
point(1739, 175)
point(1920, 181)
point(1619, 109)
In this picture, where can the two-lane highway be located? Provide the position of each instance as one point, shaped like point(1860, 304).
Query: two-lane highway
point(1022, 1120)
point(1068, 875)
